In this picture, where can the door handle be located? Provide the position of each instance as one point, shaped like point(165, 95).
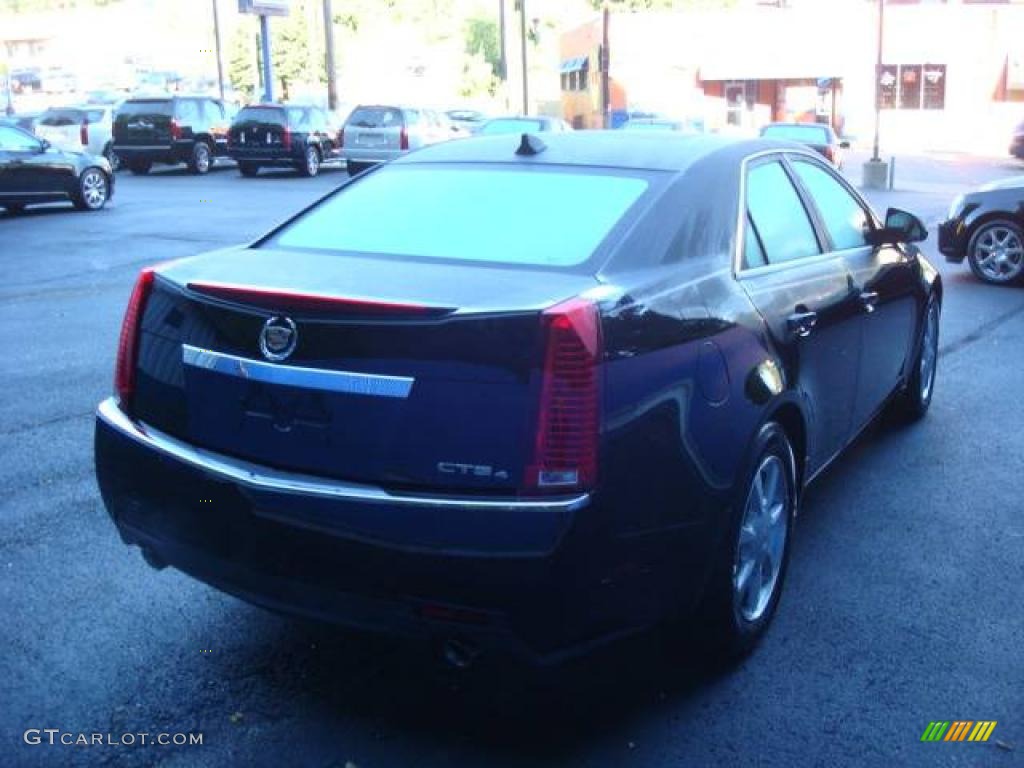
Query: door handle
point(869, 299)
point(801, 323)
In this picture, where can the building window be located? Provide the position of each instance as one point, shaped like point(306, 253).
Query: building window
point(573, 81)
point(934, 86)
point(912, 86)
point(565, 81)
point(583, 79)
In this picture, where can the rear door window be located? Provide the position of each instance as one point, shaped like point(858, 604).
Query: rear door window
point(58, 118)
point(188, 112)
point(778, 215)
point(845, 219)
point(479, 214)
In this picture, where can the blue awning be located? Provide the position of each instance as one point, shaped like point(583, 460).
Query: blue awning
point(576, 64)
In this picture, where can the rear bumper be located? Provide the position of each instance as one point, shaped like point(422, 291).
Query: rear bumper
point(362, 155)
point(260, 157)
point(523, 576)
point(172, 154)
point(952, 239)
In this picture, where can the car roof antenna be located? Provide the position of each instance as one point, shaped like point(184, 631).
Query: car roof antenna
point(530, 145)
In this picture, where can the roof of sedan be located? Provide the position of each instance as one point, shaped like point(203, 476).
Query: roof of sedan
point(610, 149)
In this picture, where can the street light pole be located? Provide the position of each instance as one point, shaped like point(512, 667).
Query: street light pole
point(878, 75)
point(268, 67)
point(332, 85)
point(216, 36)
point(522, 36)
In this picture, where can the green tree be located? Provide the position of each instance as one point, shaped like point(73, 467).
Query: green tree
point(242, 58)
point(482, 39)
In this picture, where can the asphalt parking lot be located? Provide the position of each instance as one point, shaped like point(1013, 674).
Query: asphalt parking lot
point(902, 606)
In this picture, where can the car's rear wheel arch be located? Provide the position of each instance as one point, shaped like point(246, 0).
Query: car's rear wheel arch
point(789, 416)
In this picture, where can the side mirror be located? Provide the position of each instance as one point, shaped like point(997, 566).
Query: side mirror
point(44, 145)
point(844, 144)
point(900, 227)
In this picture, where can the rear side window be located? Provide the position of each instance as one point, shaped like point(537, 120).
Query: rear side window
point(213, 112)
point(298, 118)
point(56, 118)
point(375, 117)
point(146, 107)
point(540, 218)
point(187, 112)
point(778, 215)
point(844, 217)
point(94, 116)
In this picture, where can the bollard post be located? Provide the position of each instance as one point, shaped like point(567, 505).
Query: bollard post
point(892, 172)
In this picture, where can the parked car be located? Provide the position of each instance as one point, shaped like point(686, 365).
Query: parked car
point(171, 130)
point(1017, 144)
point(571, 396)
point(27, 80)
point(520, 124)
point(662, 124)
point(278, 135)
point(818, 136)
point(33, 171)
point(470, 120)
point(80, 129)
point(376, 134)
point(24, 120)
point(986, 227)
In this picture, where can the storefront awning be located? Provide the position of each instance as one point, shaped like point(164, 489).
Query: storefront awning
point(575, 64)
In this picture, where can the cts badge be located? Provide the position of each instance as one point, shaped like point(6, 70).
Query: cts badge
point(471, 470)
point(278, 338)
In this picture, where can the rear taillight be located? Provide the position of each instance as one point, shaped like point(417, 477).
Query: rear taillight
point(175, 130)
point(568, 422)
point(286, 138)
point(403, 138)
point(83, 133)
point(128, 345)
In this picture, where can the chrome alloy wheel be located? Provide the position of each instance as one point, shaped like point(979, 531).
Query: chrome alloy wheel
point(312, 161)
point(929, 351)
point(999, 254)
point(94, 189)
point(762, 539)
point(202, 157)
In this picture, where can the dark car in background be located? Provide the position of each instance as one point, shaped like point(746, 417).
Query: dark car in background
point(818, 136)
point(33, 172)
point(283, 136)
point(579, 391)
point(986, 227)
point(662, 124)
point(524, 124)
point(1017, 143)
point(171, 130)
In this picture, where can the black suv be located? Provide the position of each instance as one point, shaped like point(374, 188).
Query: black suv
point(172, 130)
point(282, 135)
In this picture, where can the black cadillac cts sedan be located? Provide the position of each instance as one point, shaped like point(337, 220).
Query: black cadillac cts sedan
point(519, 392)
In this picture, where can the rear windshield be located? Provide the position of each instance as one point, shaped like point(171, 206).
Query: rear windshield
point(61, 117)
point(262, 115)
point(375, 117)
point(512, 125)
point(808, 134)
point(147, 107)
point(482, 214)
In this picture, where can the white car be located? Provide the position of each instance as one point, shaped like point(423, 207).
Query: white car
point(375, 134)
point(87, 128)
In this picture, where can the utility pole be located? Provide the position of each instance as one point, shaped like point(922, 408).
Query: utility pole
point(605, 65)
point(216, 37)
point(268, 67)
point(332, 85)
point(878, 75)
point(522, 36)
point(502, 56)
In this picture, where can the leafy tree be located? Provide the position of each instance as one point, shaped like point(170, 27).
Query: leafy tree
point(242, 53)
point(482, 39)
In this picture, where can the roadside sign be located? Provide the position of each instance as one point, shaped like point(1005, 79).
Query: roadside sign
point(265, 7)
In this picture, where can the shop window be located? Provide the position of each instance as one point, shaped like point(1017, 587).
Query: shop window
point(934, 86)
point(888, 79)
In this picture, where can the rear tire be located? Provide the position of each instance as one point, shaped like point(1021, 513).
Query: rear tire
point(996, 252)
point(140, 167)
point(913, 404)
point(112, 158)
point(748, 575)
point(202, 158)
point(248, 169)
point(93, 190)
point(310, 165)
